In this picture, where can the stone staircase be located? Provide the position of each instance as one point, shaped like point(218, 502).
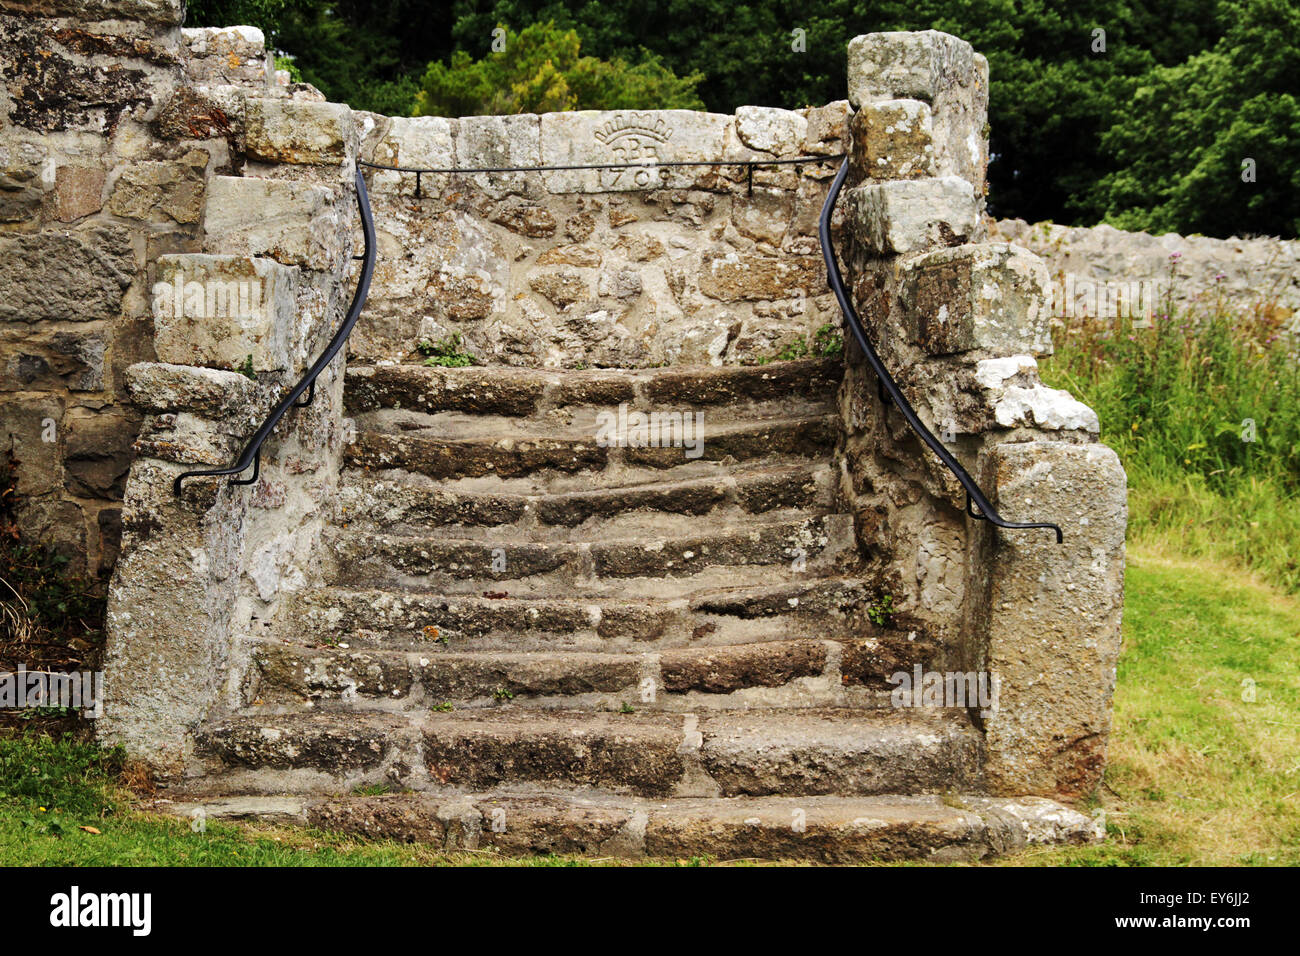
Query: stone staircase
point(445, 610)
point(532, 640)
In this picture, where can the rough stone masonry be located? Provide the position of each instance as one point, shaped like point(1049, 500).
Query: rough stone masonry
point(134, 151)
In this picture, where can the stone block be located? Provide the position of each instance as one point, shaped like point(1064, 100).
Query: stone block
point(217, 311)
point(75, 275)
point(97, 451)
point(294, 223)
point(500, 141)
point(234, 55)
point(922, 65)
point(907, 216)
point(1030, 403)
point(771, 130)
point(21, 189)
point(416, 142)
point(31, 430)
point(59, 77)
point(827, 126)
point(158, 12)
point(78, 192)
point(992, 297)
point(737, 278)
point(156, 191)
point(282, 130)
point(1050, 614)
point(215, 393)
point(893, 139)
point(204, 112)
point(560, 287)
point(590, 136)
point(49, 359)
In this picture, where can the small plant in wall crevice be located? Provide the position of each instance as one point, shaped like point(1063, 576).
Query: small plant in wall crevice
point(881, 612)
point(446, 352)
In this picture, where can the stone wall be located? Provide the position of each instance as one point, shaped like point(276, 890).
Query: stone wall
point(1253, 275)
point(610, 267)
point(117, 125)
point(88, 196)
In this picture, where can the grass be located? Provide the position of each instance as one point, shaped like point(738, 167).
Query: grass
point(1197, 774)
point(1203, 408)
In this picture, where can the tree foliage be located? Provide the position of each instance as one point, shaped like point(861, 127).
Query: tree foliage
point(1181, 141)
point(541, 69)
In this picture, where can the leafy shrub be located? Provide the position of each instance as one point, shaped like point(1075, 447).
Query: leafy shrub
point(541, 70)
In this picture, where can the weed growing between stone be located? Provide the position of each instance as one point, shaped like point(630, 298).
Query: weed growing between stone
point(446, 352)
point(828, 342)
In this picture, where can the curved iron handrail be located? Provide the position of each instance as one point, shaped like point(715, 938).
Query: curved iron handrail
point(889, 390)
point(252, 453)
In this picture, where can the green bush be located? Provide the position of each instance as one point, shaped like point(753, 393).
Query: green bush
point(541, 70)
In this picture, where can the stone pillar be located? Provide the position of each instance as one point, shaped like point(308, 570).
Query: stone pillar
point(176, 584)
point(1048, 615)
point(238, 314)
point(960, 323)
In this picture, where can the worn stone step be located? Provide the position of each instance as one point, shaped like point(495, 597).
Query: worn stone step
point(790, 673)
point(769, 551)
point(526, 392)
point(368, 617)
point(722, 753)
point(502, 457)
point(421, 502)
point(820, 829)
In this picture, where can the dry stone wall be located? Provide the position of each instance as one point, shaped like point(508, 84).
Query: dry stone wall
point(1253, 275)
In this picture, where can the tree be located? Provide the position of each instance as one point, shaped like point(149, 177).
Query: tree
point(1052, 95)
point(1224, 159)
point(541, 69)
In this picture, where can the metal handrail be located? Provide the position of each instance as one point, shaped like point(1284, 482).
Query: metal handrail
point(252, 453)
point(748, 165)
point(888, 388)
